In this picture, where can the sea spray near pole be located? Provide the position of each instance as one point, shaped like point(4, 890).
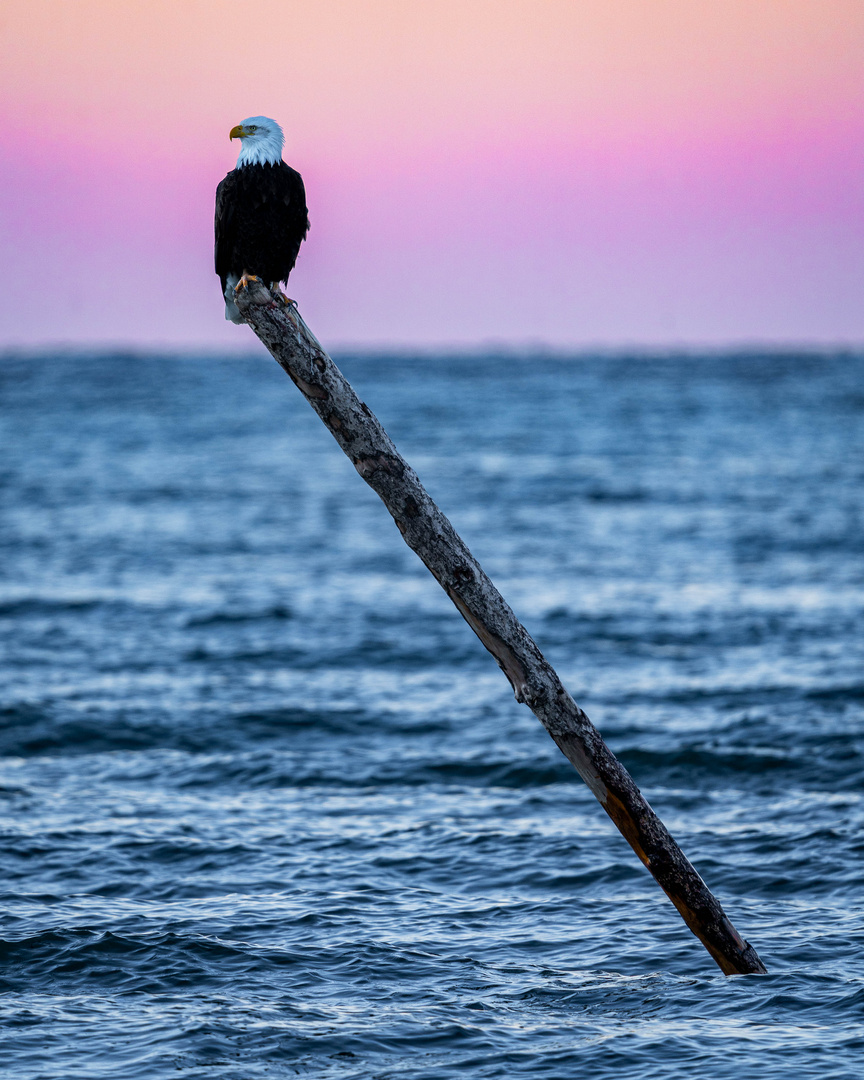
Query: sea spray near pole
point(431, 536)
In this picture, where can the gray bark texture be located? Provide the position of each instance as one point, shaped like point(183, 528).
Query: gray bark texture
point(429, 533)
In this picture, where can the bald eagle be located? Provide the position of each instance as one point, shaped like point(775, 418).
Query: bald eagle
point(261, 216)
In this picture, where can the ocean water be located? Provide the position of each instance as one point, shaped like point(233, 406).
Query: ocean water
point(270, 810)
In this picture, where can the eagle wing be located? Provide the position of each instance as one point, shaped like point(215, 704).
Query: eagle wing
point(225, 225)
point(296, 218)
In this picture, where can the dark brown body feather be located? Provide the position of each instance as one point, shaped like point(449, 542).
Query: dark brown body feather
point(261, 221)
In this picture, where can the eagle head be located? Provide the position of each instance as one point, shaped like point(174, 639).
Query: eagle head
point(261, 141)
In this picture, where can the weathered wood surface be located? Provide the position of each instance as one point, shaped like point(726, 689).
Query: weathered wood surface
point(429, 533)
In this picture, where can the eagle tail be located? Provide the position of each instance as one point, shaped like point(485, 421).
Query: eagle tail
point(232, 312)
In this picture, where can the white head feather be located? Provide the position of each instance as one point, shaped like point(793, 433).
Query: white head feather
point(261, 141)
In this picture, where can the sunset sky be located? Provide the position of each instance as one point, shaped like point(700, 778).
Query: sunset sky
point(574, 173)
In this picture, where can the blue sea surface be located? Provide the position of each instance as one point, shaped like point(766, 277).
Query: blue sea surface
point(271, 810)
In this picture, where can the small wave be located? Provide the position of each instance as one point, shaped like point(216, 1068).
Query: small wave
point(45, 606)
point(30, 730)
point(224, 618)
point(149, 963)
point(844, 692)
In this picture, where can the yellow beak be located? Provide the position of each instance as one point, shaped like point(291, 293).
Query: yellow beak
point(238, 132)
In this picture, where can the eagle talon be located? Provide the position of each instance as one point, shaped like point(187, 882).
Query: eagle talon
point(280, 296)
point(245, 281)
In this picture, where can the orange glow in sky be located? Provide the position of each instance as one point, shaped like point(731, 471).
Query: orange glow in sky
point(600, 171)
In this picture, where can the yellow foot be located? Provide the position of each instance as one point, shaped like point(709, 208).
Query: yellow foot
point(280, 296)
point(245, 281)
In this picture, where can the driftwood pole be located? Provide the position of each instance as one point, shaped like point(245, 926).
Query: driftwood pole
point(429, 533)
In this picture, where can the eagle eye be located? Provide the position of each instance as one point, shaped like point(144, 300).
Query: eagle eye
point(253, 127)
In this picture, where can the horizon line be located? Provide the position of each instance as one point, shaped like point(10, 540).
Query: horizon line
point(487, 347)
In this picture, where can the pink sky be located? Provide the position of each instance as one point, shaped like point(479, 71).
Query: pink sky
point(569, 173)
